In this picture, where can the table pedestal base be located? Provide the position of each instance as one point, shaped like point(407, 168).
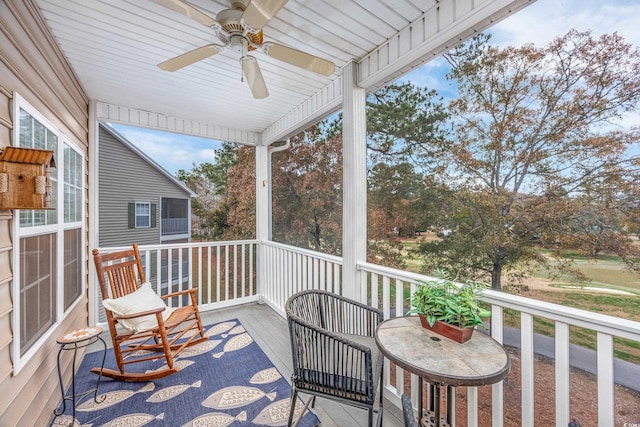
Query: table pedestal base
point(429, 420)
point(433, 416)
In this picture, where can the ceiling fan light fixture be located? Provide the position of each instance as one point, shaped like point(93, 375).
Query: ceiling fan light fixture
point(230, 21)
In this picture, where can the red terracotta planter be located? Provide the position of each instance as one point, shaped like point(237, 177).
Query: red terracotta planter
point(452, 332)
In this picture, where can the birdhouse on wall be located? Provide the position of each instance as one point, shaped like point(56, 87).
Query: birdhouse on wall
point(25, 181)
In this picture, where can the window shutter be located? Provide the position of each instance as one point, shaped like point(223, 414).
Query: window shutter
point(153, 215)
point(132, 215)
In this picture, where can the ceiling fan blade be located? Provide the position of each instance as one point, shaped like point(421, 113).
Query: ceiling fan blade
point(187, 10)
point(252, 73)
point(190, 57)
point(299, 58)
point(259, 12)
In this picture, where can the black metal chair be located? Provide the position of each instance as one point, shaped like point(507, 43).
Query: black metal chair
point(407, 410)
point(334, 350)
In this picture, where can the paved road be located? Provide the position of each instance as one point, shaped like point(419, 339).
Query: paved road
point(624, 373)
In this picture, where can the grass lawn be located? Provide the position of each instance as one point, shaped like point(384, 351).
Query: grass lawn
point(614, 305)
point(607, 272)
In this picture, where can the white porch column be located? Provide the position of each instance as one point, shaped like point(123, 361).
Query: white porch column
point(263, 212)
point(263, 209)
point(94, 210)
point(354, 202)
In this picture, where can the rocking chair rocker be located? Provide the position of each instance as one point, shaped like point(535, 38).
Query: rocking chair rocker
point(141, 325)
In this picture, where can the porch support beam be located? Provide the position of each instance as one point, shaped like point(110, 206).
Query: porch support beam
point(354, 200)
point(437, 30)
point(315, 108)
point(434, 32)
point(153, 120)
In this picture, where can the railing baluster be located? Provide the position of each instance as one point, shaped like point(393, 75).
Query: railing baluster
point(526, 360)
point(169, 275)
point(605, 380)
point(562, 373)
point(235, 271)
point(375, 288)
point(243, 267)
point(226, 272)
point(472, 406)
point(497, 390)
point(209, 273)
point(322, 268)
point(199, 274)
point(252, 248)
point(399, 304)
point(158, 272)
point(218, 275)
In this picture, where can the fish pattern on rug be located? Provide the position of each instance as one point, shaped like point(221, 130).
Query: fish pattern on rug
point(238, 386)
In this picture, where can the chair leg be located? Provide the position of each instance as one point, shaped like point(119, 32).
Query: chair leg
point(294, 396)
point(381, 398)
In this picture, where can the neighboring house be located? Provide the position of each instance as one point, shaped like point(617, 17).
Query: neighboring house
point(139, 201)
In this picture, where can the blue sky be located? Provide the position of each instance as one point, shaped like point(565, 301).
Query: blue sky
point(539, 24)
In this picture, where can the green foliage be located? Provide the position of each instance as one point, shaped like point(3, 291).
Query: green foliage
point(226, 158)
point(404, 122)
point(307, 192)
point(530, 161)
point(209, 181)
point(448, 302)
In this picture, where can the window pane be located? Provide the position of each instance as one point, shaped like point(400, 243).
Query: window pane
point(72, 266)
point(72, 185)
point(34, 134)
point(143, 215)
point(37, 287)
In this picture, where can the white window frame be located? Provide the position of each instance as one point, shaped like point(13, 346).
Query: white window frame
point(19, 361)
point(135, 209)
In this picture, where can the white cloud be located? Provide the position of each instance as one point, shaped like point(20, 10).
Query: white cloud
point(545, 20)
point(172, 151)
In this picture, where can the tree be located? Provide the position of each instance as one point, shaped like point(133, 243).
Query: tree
point(403, 120)
point(238, 206)
point(307, 192)
point(399, 201)
point(209, 182)
point(533, 143)
point(405, 123)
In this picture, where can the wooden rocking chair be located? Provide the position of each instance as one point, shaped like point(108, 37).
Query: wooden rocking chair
point(140, 323)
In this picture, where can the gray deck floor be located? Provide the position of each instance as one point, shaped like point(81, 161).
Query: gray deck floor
point(270, 332)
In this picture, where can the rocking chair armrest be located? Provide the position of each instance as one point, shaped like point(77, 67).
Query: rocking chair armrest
point(175, 294)
point(140, 314)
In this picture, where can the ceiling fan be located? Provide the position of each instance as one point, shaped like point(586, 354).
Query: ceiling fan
point(240, 28)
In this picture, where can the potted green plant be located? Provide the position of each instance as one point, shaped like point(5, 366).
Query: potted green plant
point(448, 308)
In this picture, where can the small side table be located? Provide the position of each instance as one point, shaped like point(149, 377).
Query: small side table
point(441, 361)
point(75, 340)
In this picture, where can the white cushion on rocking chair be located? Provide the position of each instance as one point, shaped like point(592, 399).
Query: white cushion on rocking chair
point(143, 299)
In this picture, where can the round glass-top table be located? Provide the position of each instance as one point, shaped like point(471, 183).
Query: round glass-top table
point(439, 360)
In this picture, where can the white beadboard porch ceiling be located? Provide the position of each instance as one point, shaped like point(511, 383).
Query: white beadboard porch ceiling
point(115, 45)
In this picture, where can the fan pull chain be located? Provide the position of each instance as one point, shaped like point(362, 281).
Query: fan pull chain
point(244, 52)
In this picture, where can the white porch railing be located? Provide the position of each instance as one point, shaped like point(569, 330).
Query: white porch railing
point(223, 272)
point(226, 274)
point(290, 270)
point(387, 290)
point(174, 226)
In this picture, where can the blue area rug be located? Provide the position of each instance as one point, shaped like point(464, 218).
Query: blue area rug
point(225, 381)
